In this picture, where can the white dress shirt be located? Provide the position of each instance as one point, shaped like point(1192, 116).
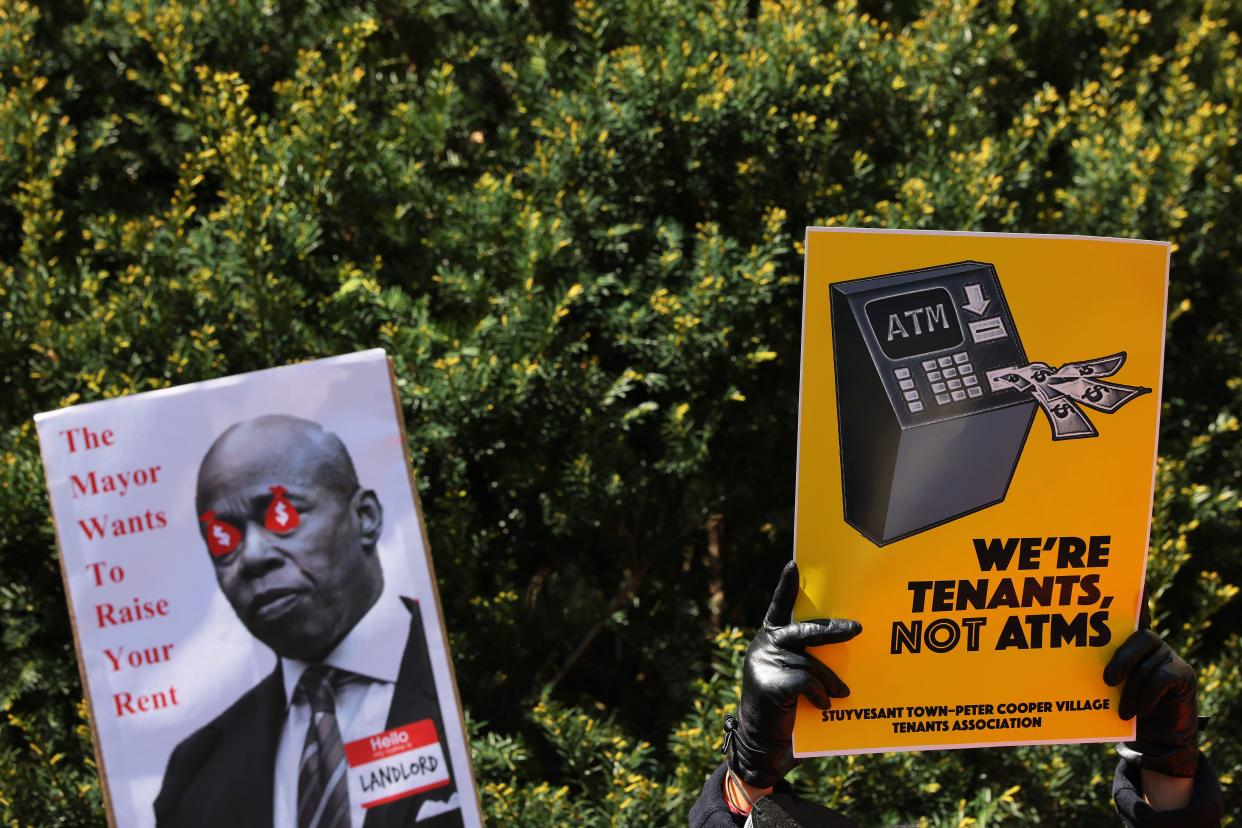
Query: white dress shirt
point(373, 650)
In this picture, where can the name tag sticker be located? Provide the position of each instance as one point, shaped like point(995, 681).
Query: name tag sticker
point(395, 764)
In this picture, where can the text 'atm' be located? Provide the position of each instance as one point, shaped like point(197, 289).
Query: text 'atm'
point(925, 438)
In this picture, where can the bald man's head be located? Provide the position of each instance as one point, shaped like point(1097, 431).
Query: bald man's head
point(291, 533)
point(282, 445)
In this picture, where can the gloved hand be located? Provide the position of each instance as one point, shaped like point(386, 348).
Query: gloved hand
point(777, 671)
point(1160, 689)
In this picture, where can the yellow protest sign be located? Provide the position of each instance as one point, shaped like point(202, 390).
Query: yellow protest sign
point(976, 453)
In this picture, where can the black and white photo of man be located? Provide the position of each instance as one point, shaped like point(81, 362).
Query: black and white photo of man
point(292, 537)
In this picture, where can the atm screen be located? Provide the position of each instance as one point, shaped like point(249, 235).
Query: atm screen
point(911, 324)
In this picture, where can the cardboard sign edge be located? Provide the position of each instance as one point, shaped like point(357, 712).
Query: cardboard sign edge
point(87, 696)
point(442, 627)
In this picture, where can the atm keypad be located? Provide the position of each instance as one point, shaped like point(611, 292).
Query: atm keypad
point(951, 379)
point(908, 389)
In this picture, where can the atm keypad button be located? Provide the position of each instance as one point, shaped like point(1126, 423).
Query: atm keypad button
point(966, 369)
point(959, 395)
point(960, 358)
point(916, 407)
point(902, 373)
point(912, 396)
point(942, 398)
point(945, 362)
point(955, 383)
point(906, 384)
point(933, 376)
point(950, 372)
point(975, 392)
point(929, 364)
point(971, 380)
point(938, 387)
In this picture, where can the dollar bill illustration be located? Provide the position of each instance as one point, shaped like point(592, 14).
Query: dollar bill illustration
point(1100, 395)
point(1059, 391)
point(1038, 374)
point(1096, 368)
point(1023, 378)
point(1005, 378)
point(1067, 420)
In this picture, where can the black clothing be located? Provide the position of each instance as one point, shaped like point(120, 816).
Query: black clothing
point(1160, 689)
point(1206, 808)
point(712, 811)
point(777, 671)
point(224, 773)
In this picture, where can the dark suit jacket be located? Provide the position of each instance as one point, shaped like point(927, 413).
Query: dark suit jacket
point(223, 775)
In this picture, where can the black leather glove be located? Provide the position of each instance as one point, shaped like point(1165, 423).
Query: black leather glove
point(777, 671)
point(1160, 689)
point(1205, 809)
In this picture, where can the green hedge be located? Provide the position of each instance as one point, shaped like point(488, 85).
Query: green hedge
point(576, 228)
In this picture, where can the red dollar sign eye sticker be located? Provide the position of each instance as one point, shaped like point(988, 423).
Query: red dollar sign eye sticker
point(222, 538)
point(281, 517)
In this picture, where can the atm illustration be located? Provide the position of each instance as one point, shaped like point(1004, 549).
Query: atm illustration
point(925, 437)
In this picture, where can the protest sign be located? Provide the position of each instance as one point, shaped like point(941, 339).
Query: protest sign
point(254, 606)
point(976, 454)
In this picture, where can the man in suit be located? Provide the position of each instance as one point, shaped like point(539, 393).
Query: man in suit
point(292, 538)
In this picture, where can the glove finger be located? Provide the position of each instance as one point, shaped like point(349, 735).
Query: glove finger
point(1133, 650)
point(828, 679)
point(809, 686)
point(1140, 676)
point(815, 633)
point(1156, 686)
point(784, 597)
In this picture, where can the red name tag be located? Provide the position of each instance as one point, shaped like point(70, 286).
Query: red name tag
point(397, 763)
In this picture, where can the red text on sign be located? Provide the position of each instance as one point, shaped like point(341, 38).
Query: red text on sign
point(115, 615)
point(134, 659)
point(94, 483)
point(132, 704)
point(101, 526)
point(115, 574)
point(86, 439)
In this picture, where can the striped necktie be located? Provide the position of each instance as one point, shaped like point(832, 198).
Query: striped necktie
point(323, 785)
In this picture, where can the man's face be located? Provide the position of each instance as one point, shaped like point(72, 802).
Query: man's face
point(301, 589)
